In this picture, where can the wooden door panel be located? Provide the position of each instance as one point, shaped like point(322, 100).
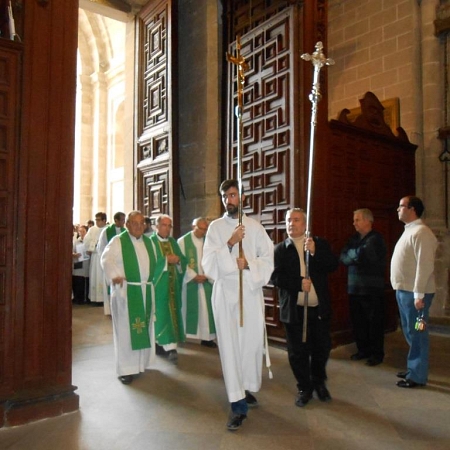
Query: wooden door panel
point(269, 136)
point(156, 150)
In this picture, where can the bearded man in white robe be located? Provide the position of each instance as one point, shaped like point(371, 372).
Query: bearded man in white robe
point(130, 266)
point(241, 347)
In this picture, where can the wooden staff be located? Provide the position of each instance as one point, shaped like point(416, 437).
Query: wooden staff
point(241, 66)
point(319, 60)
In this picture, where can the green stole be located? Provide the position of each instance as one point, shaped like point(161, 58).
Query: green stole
point(169, 325)
point(166, 249)
point(111, 231)
point(190, 250)
point(139, 315)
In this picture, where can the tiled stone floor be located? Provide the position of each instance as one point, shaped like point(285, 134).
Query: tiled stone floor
point(185, 407)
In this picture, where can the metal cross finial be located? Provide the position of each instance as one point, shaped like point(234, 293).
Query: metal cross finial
point(318, 58)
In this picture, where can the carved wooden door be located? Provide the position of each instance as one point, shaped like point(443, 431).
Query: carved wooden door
point(270, 132)
point(156, 150)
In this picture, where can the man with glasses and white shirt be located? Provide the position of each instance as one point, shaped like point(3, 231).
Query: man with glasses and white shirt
point(412, 276)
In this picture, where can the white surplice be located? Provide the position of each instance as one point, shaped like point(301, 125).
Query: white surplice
point(101, 245)
point(241, 348)
point(128, 361)
point(97, 283)
point(203, 331)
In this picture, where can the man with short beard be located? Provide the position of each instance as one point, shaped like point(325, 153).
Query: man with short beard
point(240, 347)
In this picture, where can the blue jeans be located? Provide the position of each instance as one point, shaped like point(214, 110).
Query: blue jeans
point(419, 342)
point(239, 407)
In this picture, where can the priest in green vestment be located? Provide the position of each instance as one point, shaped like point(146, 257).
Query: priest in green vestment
point(130, 265)
point(169, 322)
point(197, 287)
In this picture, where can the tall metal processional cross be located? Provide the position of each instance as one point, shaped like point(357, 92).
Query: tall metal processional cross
point(241, 66)
point(318, 60)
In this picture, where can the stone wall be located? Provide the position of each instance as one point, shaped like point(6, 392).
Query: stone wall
point(389, 48)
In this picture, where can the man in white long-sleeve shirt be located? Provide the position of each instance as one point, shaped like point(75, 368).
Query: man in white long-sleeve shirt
point(240, 347)
point(131, 267)
point(412, 276)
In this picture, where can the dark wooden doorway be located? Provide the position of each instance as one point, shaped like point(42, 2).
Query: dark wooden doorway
point(156, 152)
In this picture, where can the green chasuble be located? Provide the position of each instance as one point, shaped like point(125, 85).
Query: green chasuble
point(169, 322)
point(192, 288)
point(111, 231)
point(139, 311)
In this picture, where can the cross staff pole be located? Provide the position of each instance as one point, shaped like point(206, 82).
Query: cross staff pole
point(241, 66)
point(318, 60)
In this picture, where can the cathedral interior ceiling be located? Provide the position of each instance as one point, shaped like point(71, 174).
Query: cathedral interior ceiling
point(122, 10)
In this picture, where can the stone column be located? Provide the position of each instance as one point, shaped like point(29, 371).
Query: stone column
point(200, 121)
point(430, 175)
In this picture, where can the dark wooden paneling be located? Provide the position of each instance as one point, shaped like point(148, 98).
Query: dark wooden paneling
point(10, 67)
point(37, 377)
point(361, 166)
point(157, 145)
point(276, 112)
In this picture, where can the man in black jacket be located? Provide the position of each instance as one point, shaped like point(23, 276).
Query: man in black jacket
point(307, 359)
point(365, 257)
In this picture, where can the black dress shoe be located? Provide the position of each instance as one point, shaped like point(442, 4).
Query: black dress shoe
point(159, 350)
point(402, 374)
point(323, 393)
point(358, 356)
point(126, 379)
point(250, 399)
point(372, 361)
point(172, 356)
point(302, 398)
point(210, 344)
point(236, 421)
point(408, 383)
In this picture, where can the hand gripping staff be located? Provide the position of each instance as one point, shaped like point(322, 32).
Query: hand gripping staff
point(318, 60)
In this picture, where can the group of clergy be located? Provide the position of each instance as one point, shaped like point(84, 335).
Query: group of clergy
point(159, 292)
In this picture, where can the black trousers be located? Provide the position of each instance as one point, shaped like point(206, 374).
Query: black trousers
point(80, 288)
point(308, 359)
point(367, 314)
